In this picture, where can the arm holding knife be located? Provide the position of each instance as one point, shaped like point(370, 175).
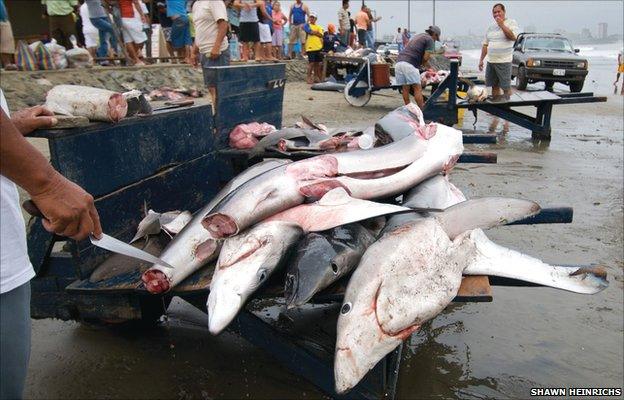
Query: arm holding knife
point(67, 208)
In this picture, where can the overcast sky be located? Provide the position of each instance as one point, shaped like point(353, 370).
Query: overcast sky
point(460, 17)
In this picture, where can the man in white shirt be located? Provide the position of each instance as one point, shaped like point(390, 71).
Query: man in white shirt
point(398, 39)
point(68, 211)
point(344, 23)
point(498, 46)
point(211, 47)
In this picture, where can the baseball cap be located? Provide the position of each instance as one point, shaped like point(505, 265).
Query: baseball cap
point(434, 29)
point(313, 14)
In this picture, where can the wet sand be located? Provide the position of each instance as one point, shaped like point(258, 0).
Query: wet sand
point(527, 337)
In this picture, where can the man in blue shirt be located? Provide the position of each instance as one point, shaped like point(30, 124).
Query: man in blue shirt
point(180, 27)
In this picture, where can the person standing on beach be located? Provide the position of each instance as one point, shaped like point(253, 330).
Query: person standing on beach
point(180, 27)
point(498, 47)
point(211, 47)
point(61, 20)
point(165, 26)
point(620, 71)
point(344, 23)
point(314, 49)
point(361, 22)
point(7, 44)
point(89, 31)
point(414, 56)
point(406, 37)
point(68, 210)
point(279, 20)
point(370, 32)
point(398, 39)
point(249, 30)
point(133, 34)
point(99, 18)
point(265, 29)
point(297, 20)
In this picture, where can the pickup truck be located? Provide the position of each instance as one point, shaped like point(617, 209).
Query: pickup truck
point(548, 58)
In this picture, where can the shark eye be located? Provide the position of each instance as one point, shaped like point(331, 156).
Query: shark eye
point(262, 275)
point(334, 268)
point(346, 308)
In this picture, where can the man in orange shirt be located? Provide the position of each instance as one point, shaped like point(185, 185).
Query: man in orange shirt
point(361, 22)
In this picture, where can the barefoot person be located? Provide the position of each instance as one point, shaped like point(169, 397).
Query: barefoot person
point(498, 47)
point(297, 20)
point(133, 34)
point(249, 30)
point(265, 28)
point(620, 71)
point(279, 20)
point(414, 56)
point(68, 210)
point(314, 48)
point(180, 27)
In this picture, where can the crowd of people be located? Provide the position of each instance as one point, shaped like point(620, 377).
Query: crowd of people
point(259, 30)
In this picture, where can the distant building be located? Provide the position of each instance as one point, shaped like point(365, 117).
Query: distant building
point(586, 34)
point(602, 30)
point(530, 28)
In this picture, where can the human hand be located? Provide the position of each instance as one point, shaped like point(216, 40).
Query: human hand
point(193, 59)
point(215, 53)
point(500, 21)
point(29, 119)
point(481, 65)
point(246, 6)
point(67, 209)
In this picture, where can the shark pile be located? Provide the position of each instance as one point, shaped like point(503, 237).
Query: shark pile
point(327, 217)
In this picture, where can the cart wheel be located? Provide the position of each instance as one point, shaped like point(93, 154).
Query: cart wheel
point(357, 101)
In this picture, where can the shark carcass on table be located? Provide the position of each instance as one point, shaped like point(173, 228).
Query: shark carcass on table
point(229, 253)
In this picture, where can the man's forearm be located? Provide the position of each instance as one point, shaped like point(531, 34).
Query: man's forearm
point(21, 162)
point(483, 53)
point(222, 29)
point(508, 32)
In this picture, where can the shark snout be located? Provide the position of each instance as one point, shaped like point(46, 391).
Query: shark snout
point(345, 370)
point(222, 308)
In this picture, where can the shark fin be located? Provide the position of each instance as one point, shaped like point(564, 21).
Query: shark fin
point(486, 212)
point(335, 197)
point(178, 223)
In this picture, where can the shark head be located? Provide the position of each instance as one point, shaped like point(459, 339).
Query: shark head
point(245, 263)
point(403, 280)
point(308, 270)
point(362, 339)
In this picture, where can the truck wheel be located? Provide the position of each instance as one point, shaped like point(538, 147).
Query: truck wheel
point(549, 85)
point(576, 87)
point(521, 79)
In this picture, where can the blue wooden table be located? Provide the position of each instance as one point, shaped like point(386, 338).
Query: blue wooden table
point(177, 159)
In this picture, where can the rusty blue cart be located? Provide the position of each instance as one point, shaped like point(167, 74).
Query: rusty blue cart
point(178, 159)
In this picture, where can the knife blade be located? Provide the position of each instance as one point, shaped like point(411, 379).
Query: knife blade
point(117, 246)
point(107, 242)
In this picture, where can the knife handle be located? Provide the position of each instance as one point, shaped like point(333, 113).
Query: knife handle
point(32, 209)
